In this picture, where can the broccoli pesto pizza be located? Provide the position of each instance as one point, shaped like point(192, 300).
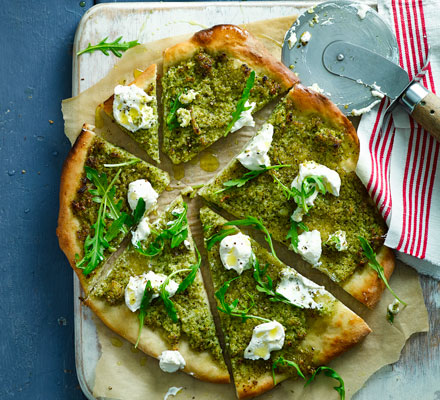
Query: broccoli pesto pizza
point(298, 175)
point(277, 323)
point(212, 85)
point(153, 295)
point(100, 186)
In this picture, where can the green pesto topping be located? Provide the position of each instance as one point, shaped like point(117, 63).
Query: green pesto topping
point(148, 139)
point(86, 210)
point(194, 318)
point(300, 137)
point(296, 321)
point(219, 81)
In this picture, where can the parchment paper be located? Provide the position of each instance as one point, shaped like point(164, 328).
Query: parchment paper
point(122, 373)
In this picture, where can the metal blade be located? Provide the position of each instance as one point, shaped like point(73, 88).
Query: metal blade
point(327, 22)
point(365, 67)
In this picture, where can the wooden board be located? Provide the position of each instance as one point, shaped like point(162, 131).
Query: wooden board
point(418, 370)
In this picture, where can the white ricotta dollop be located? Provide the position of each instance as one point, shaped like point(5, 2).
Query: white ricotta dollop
point(254, 157)
point(171, 361)
point(265, 338)
point(142, 189)
point(131, 109)
point(136, 287)
point(172, 391)
point(305, 38)
point(183, 117)
point(309, 246)
point(338, 239)
point(298, 289)
point(188, 97)
point(142, 231)
point(246, 118)
point(236, 252)
point(330, 178)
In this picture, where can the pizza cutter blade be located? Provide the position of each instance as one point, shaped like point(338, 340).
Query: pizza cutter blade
point(341, 20)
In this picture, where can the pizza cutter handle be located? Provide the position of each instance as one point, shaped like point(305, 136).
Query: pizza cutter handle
point(424, 107)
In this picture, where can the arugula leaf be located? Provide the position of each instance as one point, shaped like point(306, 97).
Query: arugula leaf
point(239, 182)
point(232, 308)
point(95, 245)
point(283, 361)
point(218, 237)
point(331, 373)
point(373, 263)
point(145, 303)
point(390, 317)
point(267, 287)
point(116, 227)
point(139, 211)
point(189, 279)
point(105, 190)
point(165, 296)
point(124, 164)
point(115, 47)
point(258, 224)
point(308, 187)
point(172, 116)
point(293, 233)
point(177, 233)
point(241, 103)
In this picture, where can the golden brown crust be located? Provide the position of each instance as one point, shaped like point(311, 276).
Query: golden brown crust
point(307, 101)
point(68, 224)
point(365, 285)
point(122, 321)
point(142, 81)
point(252, 388)
point(332, 337)
point(329, 337)
point(236, 42)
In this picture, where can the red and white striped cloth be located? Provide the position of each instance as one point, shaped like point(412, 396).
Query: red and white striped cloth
point(399, 161)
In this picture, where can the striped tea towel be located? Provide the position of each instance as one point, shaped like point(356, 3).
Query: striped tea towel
point(399, 160)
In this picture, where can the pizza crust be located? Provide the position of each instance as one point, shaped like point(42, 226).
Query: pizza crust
point(121, 320)
point(365, 285)
point(236, 42)
point(68, 224)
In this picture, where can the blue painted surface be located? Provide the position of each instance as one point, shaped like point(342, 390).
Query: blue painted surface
point(36, 333)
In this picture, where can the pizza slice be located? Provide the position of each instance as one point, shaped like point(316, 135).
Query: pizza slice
point(154, 296)
point(212, 85)
point(277, 323)
point(99, 192)
point(134, 109)
point(298, 175)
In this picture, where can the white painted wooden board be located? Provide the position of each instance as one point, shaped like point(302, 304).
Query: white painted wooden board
point(417, 374)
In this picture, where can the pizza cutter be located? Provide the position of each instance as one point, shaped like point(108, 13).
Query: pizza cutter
point(346, 51)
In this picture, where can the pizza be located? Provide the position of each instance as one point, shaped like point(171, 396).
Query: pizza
point(308, 326)
point(309, 137)
point(207, 80)
point(116, 298)
point(296, 177)
point(83, 221)
point(134, 109)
